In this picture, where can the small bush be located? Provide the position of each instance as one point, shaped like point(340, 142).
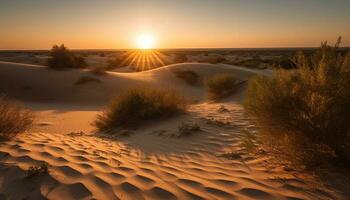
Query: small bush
point(139, 105)
point(116, 63)
point(87, 79)
point(33, 171)
point(186, 129)
point(221, 86)
point(61, 58)
point(307, 109)
point(98, 71)
point(190, 77)
point(14, 118)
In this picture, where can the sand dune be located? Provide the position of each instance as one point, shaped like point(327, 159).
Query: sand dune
point(39, 84)
point(151, 163)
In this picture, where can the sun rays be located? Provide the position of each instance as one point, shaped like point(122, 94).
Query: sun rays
point(143, 60)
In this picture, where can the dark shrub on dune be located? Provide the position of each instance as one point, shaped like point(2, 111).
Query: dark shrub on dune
point(98, 71)
point(221, 86)
point(116, 63)
point(62, 58)
point(14, 118)
point(189, 76)
point(307, 109)
point(138, 106)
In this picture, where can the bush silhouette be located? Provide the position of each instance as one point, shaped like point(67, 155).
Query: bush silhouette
point(221, 86)
point(309, 108)
point(61, 58)
point(140, 105)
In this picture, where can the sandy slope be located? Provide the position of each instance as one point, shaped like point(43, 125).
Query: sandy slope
point(151, 163)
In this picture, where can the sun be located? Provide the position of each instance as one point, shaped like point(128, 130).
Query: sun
point(145, 41)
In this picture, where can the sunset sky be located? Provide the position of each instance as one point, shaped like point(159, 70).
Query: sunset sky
point(116, 24)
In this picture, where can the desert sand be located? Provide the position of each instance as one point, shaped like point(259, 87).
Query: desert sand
point(150, 163)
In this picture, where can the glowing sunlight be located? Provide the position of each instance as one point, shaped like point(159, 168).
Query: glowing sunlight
point(145, 41)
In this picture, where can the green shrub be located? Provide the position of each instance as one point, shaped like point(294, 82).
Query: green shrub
point(221, 86)
point(307, 109)
point(189, 76)
point(14, 118)
point(61, 58)
point(140, 105)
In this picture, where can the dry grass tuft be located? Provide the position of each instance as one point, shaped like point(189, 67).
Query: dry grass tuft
point(307, 110)
point(221, 86)
point(138, 106)
point(14, 118)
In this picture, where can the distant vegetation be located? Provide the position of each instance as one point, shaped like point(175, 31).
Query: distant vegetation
point(138, 106)
point(221, 86)
point(215, 59)
point(307, 110)
point(62, 58)
point(189, 76)
point(14, 118)
point(180, 58)
point(115, 63)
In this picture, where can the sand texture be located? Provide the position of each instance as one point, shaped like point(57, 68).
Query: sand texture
point(152, 162)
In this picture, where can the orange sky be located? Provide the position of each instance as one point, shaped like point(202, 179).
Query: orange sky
point(116, 24)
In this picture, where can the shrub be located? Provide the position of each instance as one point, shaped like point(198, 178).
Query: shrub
point(116, 63)
point(61, 58)
point(98, 71)
point(140, 105)
point(33, 171)
point(189, 76)
point(221, 86)
point(14, 118)
point(308, 109)
point(87, 79)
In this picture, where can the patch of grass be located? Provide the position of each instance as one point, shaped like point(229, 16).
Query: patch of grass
point(87, 79)
point(14, 118)
point(33, 171)
point(221, 86)
point(62, 58)
point(138, 106)
point(306, 111)
point(189, 76)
